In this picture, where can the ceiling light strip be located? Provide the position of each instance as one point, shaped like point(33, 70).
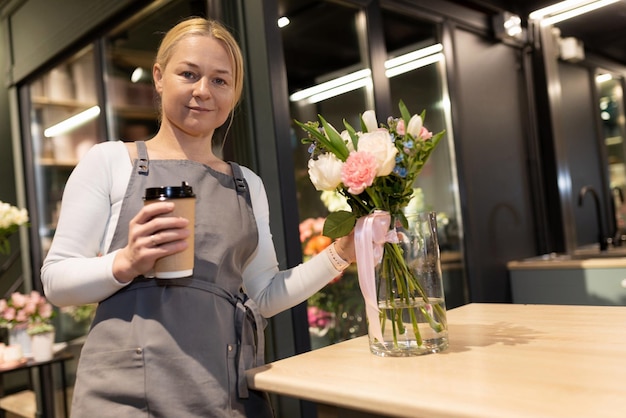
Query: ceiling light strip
point(362, 78)
point(72, 122)
point(566, 10)
point(412, 65)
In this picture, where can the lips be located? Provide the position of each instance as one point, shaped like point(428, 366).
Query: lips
point(198, 108)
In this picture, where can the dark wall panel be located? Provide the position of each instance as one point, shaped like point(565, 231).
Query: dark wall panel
point(491, 150)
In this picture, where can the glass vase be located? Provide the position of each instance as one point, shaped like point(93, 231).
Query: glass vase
point(410, 292)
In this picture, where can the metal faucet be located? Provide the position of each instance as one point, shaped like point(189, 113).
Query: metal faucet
point(618, 235)
point(589, 189)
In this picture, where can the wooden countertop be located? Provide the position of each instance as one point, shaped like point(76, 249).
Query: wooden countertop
point(504, 360)
point(586, 263)
point(583, 258)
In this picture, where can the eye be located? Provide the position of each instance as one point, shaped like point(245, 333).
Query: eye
point(220, 81)
point(189, 75)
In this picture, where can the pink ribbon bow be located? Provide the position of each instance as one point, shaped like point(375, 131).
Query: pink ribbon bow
point(370, 235)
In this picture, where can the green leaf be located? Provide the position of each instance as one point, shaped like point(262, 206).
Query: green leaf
point(339, 224)
point(314, 132)
point(338, 147)
point(352, 133)
point(406, 115)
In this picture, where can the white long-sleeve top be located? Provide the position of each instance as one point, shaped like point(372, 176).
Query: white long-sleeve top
point(78, 269)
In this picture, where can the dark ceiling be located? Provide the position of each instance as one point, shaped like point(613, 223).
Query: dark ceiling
point(603, 32)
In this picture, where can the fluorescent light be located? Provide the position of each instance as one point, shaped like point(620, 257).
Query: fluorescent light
point(412, 65)
point(283, 21)
point(567, 9)
point(329, 85)
point(412, 56)
point(336, 91)
point(72, 122)
point(363, 78)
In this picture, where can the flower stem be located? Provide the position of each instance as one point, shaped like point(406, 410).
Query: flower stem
point(395, 271)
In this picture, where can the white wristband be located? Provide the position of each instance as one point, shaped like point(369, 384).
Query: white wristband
point(339, 263)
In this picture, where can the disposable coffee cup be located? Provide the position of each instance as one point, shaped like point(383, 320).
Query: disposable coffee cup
point(179, 264)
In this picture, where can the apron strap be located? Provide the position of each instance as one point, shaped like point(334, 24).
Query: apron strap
point(246, 309)
point(142, 157)
point(240, 181)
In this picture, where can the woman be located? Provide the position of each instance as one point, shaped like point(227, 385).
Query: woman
point(176, 347)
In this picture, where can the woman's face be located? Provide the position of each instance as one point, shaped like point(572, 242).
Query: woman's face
point(196, 86)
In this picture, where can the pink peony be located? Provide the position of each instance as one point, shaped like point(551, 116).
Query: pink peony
point(19, 300)
point(359, 171)
point(46, 311)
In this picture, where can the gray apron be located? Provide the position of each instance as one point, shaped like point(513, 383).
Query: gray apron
point(178, 348)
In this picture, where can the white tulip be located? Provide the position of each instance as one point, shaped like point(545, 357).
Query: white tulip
point(379, 144)
point(415, 126)
point(348, 140)
point(369, 118)
point(325, 172)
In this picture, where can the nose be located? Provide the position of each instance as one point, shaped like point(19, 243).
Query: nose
point(202, 88)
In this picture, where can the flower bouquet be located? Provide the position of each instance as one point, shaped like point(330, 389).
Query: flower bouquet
point(31, 311)
point(11, 218)
point(26, 316)
point(375, 170)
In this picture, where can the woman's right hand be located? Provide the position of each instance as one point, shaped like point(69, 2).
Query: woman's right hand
point(152, 234)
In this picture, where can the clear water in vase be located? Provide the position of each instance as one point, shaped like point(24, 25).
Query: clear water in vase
point(401, 337)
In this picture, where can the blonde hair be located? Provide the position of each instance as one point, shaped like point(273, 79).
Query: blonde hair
point(204, 27)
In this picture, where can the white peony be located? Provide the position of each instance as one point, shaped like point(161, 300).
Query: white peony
point(325, 171)
point(379, 144)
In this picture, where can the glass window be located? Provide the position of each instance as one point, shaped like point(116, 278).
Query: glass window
point(611, 108)
point(65, 113)
point(415, 68)
point(327, 74)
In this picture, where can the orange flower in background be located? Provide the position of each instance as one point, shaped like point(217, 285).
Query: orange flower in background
point(316, 244)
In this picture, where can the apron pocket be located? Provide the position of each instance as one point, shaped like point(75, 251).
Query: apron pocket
point(111, 383)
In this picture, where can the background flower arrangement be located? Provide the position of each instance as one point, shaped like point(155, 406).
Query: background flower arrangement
point(375, 170)
point(11, 218)
point(335, 313)
point(29, 311)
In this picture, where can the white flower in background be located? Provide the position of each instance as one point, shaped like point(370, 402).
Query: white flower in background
point(11, 218)
point(416, 204)
point(325, 171)
point(334, 201)
point(11, 215)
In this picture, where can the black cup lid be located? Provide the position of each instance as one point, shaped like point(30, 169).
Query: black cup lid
point(169, 192)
